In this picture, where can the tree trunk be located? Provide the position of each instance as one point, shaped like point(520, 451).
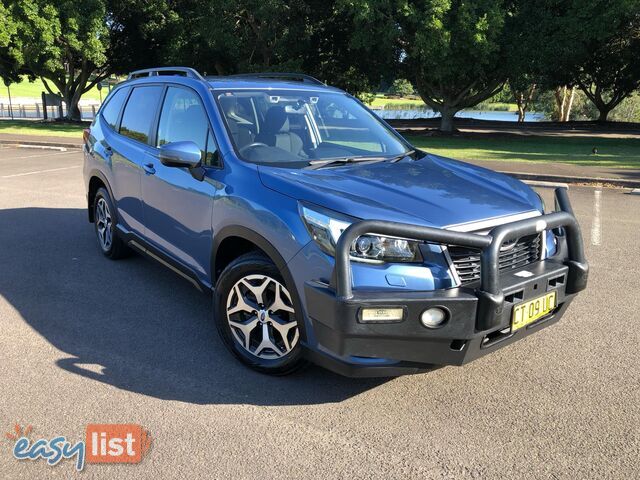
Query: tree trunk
point(73, 111)
point(569, 105)
point(596, 97)
point(448, 101)
point(524, 99)
point(521, 106)
point(559, 94)
point(604, 113)
point(564, 102)
point(446, 120)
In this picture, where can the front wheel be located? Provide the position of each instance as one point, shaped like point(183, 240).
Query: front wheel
point(255, 316)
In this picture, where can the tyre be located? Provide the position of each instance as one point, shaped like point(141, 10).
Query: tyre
point(105, 221)
point(255, 316)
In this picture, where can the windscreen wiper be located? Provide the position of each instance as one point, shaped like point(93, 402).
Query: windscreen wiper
point(397, 158)
point(315, 164)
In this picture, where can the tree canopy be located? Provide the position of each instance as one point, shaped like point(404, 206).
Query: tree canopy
point(590, 44)
point(9, 55)
point(64, 42)
point(456, 53)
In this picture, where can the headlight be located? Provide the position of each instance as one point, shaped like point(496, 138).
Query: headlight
point(325, 227)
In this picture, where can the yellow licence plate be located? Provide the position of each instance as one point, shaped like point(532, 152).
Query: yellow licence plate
point(528, 312)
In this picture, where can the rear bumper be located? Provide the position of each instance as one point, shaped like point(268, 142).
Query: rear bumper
point(479, 318)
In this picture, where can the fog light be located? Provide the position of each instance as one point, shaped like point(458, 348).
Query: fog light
point(433, 317)
point(382, 314)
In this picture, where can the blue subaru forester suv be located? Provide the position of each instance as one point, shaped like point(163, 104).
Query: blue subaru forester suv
point(322, 234)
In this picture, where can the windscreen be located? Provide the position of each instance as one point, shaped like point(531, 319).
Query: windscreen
point(291, 128)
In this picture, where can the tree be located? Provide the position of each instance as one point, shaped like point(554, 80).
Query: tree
point(310, 36)
point(146, 33)
point(609, 71)
point(565, 96)
point(524, 92)
point(586, 44)
point(64, 42)
point(541, 52)
point(9, 64)
point(401, 87)
point(236, 36)
point(453, 51)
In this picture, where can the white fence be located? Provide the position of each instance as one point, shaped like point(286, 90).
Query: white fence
point(35, 111)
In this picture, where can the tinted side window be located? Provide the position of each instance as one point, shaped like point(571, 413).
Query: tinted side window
point(140, 112)
point(183, 118)
point(111, 110)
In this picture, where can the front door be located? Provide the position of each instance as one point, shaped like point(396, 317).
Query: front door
point(177, 206)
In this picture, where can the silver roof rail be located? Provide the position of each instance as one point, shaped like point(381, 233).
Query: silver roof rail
point(296, 77)
point(158, 71)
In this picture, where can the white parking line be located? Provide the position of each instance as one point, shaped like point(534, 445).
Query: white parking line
point(42, 147)
point(40, 171)
point(596, 228)
point(38, 155)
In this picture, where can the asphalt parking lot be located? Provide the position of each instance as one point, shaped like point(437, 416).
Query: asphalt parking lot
point(87, 340)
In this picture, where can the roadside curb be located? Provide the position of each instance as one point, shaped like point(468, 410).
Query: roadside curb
point(28, 143)
point(617, 182)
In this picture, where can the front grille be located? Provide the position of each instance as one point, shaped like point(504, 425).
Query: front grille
point(466, 261)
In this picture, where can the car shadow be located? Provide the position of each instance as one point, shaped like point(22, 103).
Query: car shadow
point(132, 323)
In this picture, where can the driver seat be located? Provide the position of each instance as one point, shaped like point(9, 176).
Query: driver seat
point(275, 132)
point(240, 132)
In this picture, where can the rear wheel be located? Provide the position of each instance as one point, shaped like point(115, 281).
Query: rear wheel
point(256, 317)
point(105, 221)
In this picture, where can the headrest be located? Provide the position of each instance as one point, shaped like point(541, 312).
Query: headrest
point(228, 103)
point(276, 120)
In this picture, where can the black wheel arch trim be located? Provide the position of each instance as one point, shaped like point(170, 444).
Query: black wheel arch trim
point(98, 174)
point(253, 237)
point(271, 251)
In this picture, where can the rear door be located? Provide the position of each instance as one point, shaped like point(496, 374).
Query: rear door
point(177, 206)
point(128, 151)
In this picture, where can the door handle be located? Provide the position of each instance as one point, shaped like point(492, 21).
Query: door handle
point(149, 168)
point(108, 151)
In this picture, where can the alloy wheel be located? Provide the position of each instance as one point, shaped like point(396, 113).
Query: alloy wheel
point(104, 224)
point(262, 318)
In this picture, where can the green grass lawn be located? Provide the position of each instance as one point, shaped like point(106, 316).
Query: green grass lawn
point(497, 106)
point(380, 101)
point(612, 152)
point(34, 90)
point(32, 127)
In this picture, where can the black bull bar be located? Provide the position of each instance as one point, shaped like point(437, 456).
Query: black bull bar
point(490, 295)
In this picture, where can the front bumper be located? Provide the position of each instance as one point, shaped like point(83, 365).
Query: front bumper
point(479, 320)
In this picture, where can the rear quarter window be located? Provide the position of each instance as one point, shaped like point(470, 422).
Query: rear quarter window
point(140, 112)
point(111, 111)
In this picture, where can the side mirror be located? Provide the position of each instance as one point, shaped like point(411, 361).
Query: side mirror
point(180, 154)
